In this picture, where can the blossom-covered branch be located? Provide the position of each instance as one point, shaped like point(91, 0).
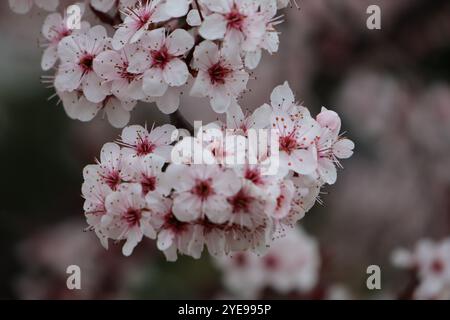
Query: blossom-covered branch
point(149, 183)
point(158, 50)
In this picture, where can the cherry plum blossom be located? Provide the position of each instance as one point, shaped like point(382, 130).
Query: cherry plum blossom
point(161, 64)
point(77, 54)
point(221, 75)
point(137, 20)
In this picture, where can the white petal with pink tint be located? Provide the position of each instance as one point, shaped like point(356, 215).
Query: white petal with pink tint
point(213, 27)
point(179, 42)
point(343, 148)
point(49, 58)
point(116, 114)
point(175, 73)
point(176, 8)
point(154, 84)
point(193, 18)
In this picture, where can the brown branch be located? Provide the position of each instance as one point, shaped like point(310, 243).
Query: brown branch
point(199, 10)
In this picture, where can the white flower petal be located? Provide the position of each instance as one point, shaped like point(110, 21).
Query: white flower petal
point(193, 18)
point(252, 59)
point(106, 65)
point(49, 58)
point(176, 8)
point(154, 84)
point(169, 102)
point(165, 239)
point(343, 148)
point(213, 27)
point(179, 42)
point(175, 73)
point(282, 97)
point(116, 114)
point(93, 88)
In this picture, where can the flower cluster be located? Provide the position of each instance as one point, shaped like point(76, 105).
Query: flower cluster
point(430, 263)
point(291, 264)
point(204, 190)
point(159, 49)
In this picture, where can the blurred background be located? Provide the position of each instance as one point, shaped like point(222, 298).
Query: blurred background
point(390, 86)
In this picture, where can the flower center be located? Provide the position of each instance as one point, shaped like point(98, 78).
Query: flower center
point(253, 175)
point(141, 15)
point(288, 143)
point(270, 262)
point(203, 189)
point(240, 201)
point(235, 19)
point(160, 57)
point(170, 222)
point(239, 259)
point(437, 266)
point(280, 201)
point(62, 33)
point(86, 62)
point(144, 147)
point(132, 217)
point(124, 74)
point(218, 73)
point(148, 183)
point(112, 179)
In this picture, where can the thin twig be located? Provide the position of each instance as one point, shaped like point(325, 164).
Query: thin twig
point(199, 10)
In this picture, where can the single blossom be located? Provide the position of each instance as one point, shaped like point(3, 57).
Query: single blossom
point(128, 217)
point(174, 235)
point(112, 67)
point(297, 132)
point(162, 62)
point(247, 207)
point(296, 142)
point(111, 169)
point(330, 146)
point(77, 54)
point(269, 41)
point(137, 20)
point(54, 29)
point(239, 22)
point(147, 171)
point(95, 194)
point(221, 76)
point(139, 141)
point(201, 191)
